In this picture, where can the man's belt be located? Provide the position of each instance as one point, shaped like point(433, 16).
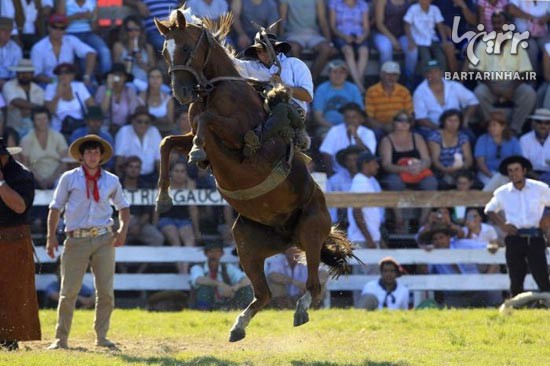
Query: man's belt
point(13, 233)
point(532, 232)
point(89, 232)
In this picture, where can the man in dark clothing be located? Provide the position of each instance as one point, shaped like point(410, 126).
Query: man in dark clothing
point(18, 302)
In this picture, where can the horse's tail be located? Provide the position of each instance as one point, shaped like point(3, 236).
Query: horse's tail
point(336, 252)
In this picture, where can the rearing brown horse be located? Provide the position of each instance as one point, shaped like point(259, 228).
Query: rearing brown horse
point(278, 202)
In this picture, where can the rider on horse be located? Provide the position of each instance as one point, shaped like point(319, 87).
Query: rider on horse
point(279, 69)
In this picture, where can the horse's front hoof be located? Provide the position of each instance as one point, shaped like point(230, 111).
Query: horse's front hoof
point(236, 335)
point(300, 317)
point(164, 204)
point(196, 155)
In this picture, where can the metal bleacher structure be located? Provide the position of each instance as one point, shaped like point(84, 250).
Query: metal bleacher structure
point(408, 199)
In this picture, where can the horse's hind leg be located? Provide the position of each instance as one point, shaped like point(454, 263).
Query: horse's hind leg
point(255, 242)
point(180, 143)
point(313, 229)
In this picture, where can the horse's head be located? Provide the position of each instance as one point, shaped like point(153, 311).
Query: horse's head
point(187, 49)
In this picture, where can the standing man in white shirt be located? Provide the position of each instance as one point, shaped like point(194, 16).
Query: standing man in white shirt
point(365, 222)
point(86, 194)
point(523, 201)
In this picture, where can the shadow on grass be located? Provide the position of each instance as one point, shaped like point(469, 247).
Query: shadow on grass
point(365, 362)
point(172, 361)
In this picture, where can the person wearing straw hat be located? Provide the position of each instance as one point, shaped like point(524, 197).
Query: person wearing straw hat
point(523, 202)
point(22, 95)
point(535, 145)
point(18, 303)
point(85, 194)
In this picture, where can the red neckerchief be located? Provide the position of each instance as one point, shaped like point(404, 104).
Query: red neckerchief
point(92, 179)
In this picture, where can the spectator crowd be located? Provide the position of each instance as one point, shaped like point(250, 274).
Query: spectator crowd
point(385, 115)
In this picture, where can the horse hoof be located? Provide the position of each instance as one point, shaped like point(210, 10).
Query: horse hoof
point(236, 335)
point(164, 205)
point(300, 317)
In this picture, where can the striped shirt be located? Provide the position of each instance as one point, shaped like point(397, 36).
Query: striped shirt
point(383, 107)
point(158, 9)
point(489, 9)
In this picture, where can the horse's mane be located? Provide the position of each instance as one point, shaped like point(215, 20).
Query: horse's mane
point(219, 29)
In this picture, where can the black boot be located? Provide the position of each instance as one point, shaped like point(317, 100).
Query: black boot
point(9, 345)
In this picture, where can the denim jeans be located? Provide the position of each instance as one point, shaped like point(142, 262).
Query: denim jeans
point(384, 46)
point(103, 52)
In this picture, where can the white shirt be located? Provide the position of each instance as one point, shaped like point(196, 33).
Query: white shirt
point(536, 153)
point(398, 299)
point(10, 55)
point(279, 264)
point(127, 143)
point(427, 106)
point(423, 23)
point(30, 16)
point(487, 234)
point(202, 9)
point(524, 208)
point(201, 270)
point(535, 9)
point(79, 25)
point(294, 73)
point(44, 59)
point(66, 108)
point(372, 215)
point(12, 90)
point(82, 212)
point(337, 139)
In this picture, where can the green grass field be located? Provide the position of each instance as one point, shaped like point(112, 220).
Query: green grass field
point(332, 337)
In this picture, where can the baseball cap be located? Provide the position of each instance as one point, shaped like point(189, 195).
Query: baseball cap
point(391, 67)
point(337, 64)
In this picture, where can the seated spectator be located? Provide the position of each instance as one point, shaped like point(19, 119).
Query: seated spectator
point(219, 285)
point(518, 95)
point(211, 9)
point(390, 36)
point(421, 22)
point(351, 132)
point(140, 228)
point(149, 10)
point(435, 95)
point(365, 223)
point(180, 224)
point(43, 149)
point(341, 181)
point(21, 96)
point(159, 104)
point(486, 9)
point(304, 25)
point(466, 11)
point(248, 12)
point(465, 180)
point(406, 162)
point(543, 93)
point(475, 228)
point(45, 60)
point(532, 16)
point(491, 148)
point(66, 98)
point(333, 94)
point(535, 145)
point(450, 149)
point(349, 22)
point(439, 216)
point(82, 16)
point(442, 237)
point(117, 99)
point(132, 47)
point(287, 277)
point(142, 139)
point(9, 49)
point(385, 99)
point(30, 19)
point(386, 292)
point(94, 121)
point(12, 139)
point(84, 300)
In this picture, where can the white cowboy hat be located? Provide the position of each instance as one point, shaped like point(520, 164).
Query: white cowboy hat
point(541, 114)
point(24, 65)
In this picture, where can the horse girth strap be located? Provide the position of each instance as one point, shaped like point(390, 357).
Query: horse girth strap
point(279, 173)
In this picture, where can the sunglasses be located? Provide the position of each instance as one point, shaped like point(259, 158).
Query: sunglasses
point(544, 123)
point(133, 29)
point(402, 119)
point(58, 27)
point(142, 121)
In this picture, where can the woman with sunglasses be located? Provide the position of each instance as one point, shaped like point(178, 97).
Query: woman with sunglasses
point(492, 147)
point(132, 48)
point(406, 162)
point(159, 103)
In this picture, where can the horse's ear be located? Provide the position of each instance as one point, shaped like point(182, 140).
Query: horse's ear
point(161, 27)
point(180, 20)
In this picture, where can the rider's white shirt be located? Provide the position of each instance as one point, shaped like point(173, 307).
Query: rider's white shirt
point(294, 73)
